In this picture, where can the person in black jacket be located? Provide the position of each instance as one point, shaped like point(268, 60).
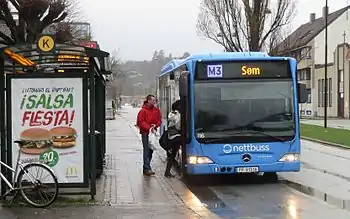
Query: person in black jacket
point(174, 136)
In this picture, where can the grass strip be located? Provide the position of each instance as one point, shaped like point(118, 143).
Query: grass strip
point(332, 135)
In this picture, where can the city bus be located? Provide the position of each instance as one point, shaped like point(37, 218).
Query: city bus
point(239, 112)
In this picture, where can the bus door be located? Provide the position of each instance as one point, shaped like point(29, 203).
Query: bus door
point(185, 118)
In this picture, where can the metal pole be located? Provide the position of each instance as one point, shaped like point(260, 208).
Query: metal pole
point(157, 78)
point(344, 42)
point(92, 130)
point(3, 120)
point(325, 65)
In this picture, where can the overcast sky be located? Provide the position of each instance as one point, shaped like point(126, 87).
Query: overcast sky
point(138, 27)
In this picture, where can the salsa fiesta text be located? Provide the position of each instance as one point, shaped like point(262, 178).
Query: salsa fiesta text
point(47, 107)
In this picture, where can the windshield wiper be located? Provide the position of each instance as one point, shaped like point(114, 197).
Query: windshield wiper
point(258, 130)
point(213, 140)
point(241, 130)
point(280, 139)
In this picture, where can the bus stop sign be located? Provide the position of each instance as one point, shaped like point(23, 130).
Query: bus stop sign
point(46, 43)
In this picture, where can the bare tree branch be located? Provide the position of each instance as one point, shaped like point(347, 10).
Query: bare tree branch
point(243, 24)
point(33, 17)
point(289, 46)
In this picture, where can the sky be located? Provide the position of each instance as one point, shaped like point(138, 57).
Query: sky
point(136, 28)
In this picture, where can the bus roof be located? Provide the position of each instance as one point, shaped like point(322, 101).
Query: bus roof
point(170, 66)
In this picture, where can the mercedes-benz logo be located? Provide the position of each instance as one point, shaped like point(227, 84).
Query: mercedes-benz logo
point(246, 157)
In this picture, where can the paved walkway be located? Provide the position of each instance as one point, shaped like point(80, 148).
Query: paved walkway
point(123, 190)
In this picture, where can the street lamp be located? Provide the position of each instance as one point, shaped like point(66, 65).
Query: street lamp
point(325, 63)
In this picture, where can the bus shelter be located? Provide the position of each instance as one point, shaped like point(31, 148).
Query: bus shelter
point(57, 90)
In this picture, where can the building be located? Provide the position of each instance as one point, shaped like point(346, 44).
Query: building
point(307, 45)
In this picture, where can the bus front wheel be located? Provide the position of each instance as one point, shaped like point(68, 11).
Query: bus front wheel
point(270, 177)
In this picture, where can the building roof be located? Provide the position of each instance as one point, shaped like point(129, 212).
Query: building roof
point(307, 32)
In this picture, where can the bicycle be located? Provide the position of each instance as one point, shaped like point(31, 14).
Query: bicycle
point(34, 189)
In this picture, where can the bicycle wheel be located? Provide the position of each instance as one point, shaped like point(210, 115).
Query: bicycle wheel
point(32, 187)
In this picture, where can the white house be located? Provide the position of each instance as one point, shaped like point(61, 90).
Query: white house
point(307, 45)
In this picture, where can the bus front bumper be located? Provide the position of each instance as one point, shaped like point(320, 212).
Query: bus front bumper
point(204, 169)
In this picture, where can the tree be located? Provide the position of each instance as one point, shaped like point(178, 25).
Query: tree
point(33, 17)
point(115, 86)
point(293, 45)
point(185, 55)
point(239, 25)
point(71, 30)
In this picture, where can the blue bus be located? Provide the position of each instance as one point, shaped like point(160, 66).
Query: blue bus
point(240, 112)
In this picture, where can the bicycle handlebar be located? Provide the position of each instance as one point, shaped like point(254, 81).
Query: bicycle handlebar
point(18, 142)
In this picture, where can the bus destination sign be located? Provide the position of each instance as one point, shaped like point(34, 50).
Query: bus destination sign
point(243, 69)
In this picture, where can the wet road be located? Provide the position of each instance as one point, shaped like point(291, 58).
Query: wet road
point(263, 201)
point(233, 197)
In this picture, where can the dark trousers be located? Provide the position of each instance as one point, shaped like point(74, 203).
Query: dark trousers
point(147, 153)
point(175, 146)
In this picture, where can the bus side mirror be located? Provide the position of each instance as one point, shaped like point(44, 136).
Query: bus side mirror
point(183, 84)
point(302, 93)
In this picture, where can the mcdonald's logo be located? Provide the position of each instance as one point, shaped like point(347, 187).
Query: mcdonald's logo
point(72, 172)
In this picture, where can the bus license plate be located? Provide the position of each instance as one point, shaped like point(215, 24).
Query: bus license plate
point(247, 169)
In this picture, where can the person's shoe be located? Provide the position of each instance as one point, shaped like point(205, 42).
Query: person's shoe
point(148, 173)
point(169, 175)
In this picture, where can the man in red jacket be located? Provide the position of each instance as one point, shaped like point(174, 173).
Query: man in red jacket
point(149, 118)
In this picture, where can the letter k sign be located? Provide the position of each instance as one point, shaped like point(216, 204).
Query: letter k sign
point(46, 44)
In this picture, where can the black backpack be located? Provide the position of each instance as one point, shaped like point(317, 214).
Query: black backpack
point(163, 141)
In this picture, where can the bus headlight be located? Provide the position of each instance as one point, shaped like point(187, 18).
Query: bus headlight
point(199, 160)
point(290, 158)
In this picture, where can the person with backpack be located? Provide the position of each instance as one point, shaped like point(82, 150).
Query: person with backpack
point(148, 119)
point(174, 139)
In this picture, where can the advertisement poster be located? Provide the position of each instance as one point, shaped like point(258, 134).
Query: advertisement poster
point(47, 113)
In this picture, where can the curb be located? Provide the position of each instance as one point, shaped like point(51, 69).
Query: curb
point(322, 196)
point(326, 143)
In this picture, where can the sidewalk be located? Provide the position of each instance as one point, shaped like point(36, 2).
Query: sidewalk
point(325, 173)
point(123, 191)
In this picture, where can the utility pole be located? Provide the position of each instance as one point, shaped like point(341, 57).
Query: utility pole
point(325, 64)
point(157, 71)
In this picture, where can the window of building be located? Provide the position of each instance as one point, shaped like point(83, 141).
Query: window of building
point(341, 75)
point(304, 74)
point(330, 92)
point(305, 53)
point(322, 92)
point(319, 96)
point(308, 95)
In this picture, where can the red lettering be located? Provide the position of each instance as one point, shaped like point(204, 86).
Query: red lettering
point(48, 117)
point(43, 118)
point(36, 119)
point(32, 121)
point(64, 118)
point(58, 114)
point(72, 118)
point(26, 117)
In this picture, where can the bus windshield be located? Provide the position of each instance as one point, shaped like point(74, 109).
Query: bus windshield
point(238, 111)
